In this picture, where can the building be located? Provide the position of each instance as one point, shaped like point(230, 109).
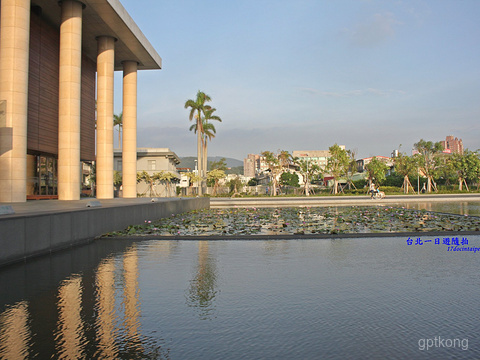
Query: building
point(152, 160)
point(251, 165)
point(452, 145)
point(319, 157)
point(54, 57)
point(361, 163)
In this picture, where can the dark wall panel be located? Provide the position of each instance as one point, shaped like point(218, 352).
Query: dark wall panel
point(43, 93)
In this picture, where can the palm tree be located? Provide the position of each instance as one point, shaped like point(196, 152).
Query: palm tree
point(337, 164)
point(150, 180)
point(209, 132)
point(198, 106)
point(118, 121)
point(167, 177)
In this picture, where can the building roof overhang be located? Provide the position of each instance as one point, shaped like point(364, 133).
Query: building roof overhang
point(108, 18)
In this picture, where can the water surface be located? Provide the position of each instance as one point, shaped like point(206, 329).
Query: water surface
point(369, 298)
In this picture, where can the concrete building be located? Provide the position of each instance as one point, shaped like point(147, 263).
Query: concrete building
point(54, 57)
point(152, 160)
point(452, 145)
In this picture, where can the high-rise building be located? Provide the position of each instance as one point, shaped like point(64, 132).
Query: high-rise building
point(251, 165)
point(452, 145)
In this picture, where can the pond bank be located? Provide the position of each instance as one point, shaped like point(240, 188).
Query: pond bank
point(338, 200)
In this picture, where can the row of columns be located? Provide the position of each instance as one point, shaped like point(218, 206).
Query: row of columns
point(14, 57)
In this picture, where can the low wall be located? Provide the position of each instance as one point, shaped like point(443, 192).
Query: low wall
point(28, 235)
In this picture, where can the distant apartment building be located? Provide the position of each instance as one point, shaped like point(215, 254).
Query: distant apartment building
point(151, 160)
point(251, 165)
point(452, 145)
point(254, 165)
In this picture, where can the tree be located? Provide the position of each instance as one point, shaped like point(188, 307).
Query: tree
point(406, 166)
point(118, 121)
point(444, 168)
point(427, 159)
point(351, 168)
point(216, 175)
point(309, 171)
point(376, 170)
point(150, 180)
point(117, 179)
point(235, 184)
point(209, 132)
point(198, 107)
point(220, 164)
point(289, 179)
point(337, 164)
point(167, 178)
point(274, 167)
point(466, 166)
point(193, 178)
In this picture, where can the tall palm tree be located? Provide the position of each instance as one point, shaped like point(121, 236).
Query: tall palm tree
point(198, 106)
point(118, 121)
point(209, 132)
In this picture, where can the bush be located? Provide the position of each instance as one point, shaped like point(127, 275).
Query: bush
point(393, 180)
point(360, 183)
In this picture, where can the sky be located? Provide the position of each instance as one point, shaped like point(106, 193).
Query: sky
point(373, 75)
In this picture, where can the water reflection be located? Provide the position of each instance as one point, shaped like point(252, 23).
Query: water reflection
point(93, 313)
point(105, 308)
point(15, 332)
point(279, 299)
point(69, 337)
point(202, 291)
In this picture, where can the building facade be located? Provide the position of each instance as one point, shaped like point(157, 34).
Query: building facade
point(57, 62)
point(251, 165)
point(452, 145)
point(319, 157)
point(152, 161)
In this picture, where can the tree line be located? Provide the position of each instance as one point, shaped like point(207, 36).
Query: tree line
point(428, 162)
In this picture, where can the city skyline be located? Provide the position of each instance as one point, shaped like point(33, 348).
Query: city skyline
point(371, 75)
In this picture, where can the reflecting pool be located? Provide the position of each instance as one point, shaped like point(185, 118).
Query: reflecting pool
point(368, 298)
point(471, 208)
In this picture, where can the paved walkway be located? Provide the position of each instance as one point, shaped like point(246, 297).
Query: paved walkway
point(339, 200)
point(34, 207)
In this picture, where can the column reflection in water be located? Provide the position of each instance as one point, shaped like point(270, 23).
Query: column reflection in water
point(70, 337)
point(131, 294)
point(15, 334)
point(105, 309)
point(202, 291)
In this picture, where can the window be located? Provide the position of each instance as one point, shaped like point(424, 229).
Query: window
point(152, 164)
point(119, 165)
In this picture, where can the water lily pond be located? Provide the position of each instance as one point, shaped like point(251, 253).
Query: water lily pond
point(303, 221)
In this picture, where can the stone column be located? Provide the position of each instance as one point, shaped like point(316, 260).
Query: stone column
point(14, 56)
point(69, 101)
point(105, 70)
point(129, 144)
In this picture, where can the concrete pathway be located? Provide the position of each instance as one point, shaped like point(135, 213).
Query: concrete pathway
point(35, 207)
point(338, 200)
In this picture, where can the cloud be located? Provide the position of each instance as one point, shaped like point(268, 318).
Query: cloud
point(352, 93)
point(376, 31)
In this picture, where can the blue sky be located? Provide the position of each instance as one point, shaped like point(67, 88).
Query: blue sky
point(304, 74)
